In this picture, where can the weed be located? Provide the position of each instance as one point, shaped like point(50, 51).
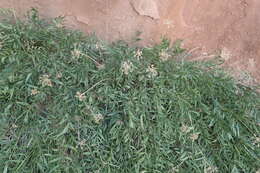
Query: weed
point(72, 103)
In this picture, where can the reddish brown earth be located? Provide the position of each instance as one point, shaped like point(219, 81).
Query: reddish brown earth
point(230, 28)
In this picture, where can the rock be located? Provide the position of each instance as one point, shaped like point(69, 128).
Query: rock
point(146, 8)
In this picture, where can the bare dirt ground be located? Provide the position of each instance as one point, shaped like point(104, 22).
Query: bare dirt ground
point(227, 27)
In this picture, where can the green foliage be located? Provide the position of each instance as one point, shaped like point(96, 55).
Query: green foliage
point(71, 103)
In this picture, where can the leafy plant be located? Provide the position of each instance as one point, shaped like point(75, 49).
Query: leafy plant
point(72, 103)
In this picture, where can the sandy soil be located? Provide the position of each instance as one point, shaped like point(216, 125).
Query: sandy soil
point(226, 27)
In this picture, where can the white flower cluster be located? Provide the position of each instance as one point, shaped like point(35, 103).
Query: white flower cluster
point(45, 80)
point(152, 71)
point(127, 67)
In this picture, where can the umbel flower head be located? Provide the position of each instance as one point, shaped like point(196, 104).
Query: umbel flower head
point(59, 75)
point(80, 96)
point(164, 55)
point(194, 136)
point(152, 72)
point(139, 54)
point(186, 129)
point(34, 92)
point(256, 140)
point(127, 67)
point(75, 53)
point(45, 80)
point(211, 169)
point(98, 118)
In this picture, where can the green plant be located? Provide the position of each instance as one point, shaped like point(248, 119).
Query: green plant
point(72, 103)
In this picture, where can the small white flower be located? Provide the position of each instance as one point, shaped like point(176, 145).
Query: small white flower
point(174, 170)
point(101, 66)
point(80, 96)
point(152, 72)
point(59, 25)
point(194, 136)
point(225, 54)
point(82, 143)
point(211, 169)
point(75, 53)
point(99, 46)
point(164, 55)
point(34, 92)
point(186, 129)
point(139, 54)
point(59, 75)
point(45, 80)
point(14, 126)
point(256, 141)
point(127, 67)
point(98, 118)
